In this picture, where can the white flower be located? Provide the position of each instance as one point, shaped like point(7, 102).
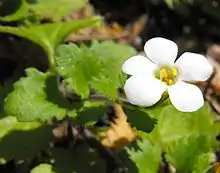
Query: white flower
point(150, 78)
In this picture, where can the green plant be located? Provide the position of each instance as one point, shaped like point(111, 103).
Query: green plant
point(79, 82)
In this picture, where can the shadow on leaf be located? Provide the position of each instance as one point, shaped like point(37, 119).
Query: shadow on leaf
point(8, 7)
point(90, 114)
point(127, 162)
point(21, 144)
point(140, 120)
point(78, 160)
point(53, 93)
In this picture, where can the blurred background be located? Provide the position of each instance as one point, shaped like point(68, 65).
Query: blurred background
point(194, 24)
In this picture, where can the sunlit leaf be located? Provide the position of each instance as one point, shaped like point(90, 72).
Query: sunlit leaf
point(183, 123)
point(146, 156)
point(171, 3)
point(185, 137)
point(187, 154)
point(43, 168)
point(97, 67)
point(203, 162)
point(36, 97)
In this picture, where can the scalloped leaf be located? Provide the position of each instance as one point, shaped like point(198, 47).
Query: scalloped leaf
point(187, 154)
point(36, 97)
point(185, 136)
point(97, 67)
point(183, 123)
point(146, 156)
point(202, 163)
point(20, 140)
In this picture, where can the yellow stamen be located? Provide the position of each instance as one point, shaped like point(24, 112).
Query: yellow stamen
point(170, 82)
point(167, 75)
point(164, 73)
point(174, 71)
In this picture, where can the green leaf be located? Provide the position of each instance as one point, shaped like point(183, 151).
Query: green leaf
point(57, 8)
point(77, 65)
point(4, 90)
point(20, 140)
point(110, 77)
point(12, 10)
point(43, 168)
point(185, 136)
point(6, 124)
point(146, 156)
point(36, 97)
point(48, 36)
point(183, 124)
point(187, 154)
point(171, 3)
point(97, 67)
point(202, 163)
point(90, 112)
point(140, 119)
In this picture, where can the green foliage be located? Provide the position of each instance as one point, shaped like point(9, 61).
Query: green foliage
point(35, 97)
point(172, 3)
point(4, 90)
point(140, 119)
point(57, 8)
point(13, 10)
point(93, 72)
point(49, 36)
point(89, 112)
point(202, 163)
point(199, 122)
point(185, 154)
point(80, 160)
point(97, 67)
point(146, 156)
point(21, 140)
point(185, 137)
point(43, 168)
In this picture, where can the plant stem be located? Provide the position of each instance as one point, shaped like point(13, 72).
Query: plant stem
point(51, 59)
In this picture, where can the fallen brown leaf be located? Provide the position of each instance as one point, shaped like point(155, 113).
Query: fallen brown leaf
point(217, 167)
point(120, 132)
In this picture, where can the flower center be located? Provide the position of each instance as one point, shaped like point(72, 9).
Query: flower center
point(167, 74)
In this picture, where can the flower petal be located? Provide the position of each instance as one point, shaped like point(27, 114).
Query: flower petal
point(186, 97)
point(161, 51)
point(144, 91)
point(138, 65)
point(193, 67)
